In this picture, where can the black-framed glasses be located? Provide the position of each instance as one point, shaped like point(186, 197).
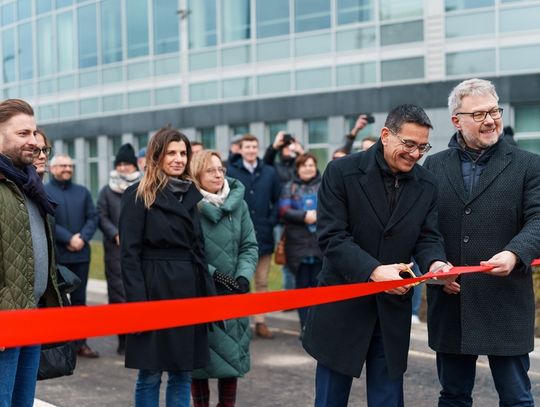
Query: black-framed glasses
point(410, 146)
point(45, 150)
point(480, 116)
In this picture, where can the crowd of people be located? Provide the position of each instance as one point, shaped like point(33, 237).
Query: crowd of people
point(179, 221)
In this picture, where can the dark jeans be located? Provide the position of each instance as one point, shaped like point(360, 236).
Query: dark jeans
point(457, 374)
point(306, 277)
point(78, 296)
point(18, 376)
point(332, 388)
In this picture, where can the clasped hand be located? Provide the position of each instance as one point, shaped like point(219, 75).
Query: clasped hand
point(387, 272)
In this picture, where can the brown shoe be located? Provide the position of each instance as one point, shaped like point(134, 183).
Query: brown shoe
point(86, 351)
point(262, 331)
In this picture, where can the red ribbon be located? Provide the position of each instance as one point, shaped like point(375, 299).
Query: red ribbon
point(28, 327)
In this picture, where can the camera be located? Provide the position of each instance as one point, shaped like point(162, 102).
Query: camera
point(287, 139)
point(370, 118)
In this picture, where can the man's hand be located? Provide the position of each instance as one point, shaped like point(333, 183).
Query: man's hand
point(442, 267)
point(360, 123)
point(310, 217)
point(2, 349)
point(278, 141)
point(117, 240)
point(388, 272)
point(76, 243)
point(503, 263)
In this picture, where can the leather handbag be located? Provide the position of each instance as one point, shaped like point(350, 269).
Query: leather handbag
point(279, 254)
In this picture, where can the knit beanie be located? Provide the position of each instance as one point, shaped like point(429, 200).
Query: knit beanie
point(125, 154)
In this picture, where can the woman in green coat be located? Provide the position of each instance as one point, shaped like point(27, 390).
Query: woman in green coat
point(231, 251)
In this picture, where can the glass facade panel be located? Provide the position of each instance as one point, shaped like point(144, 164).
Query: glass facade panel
point(116, 142)
point(45, 50)
point(47, 86)
point(394, 9)
point(167, 66)
point(26, 58)
point(315, 44)
point(236, 56)
point(26, 91)
point(69, 148)
point(273, 50)
point(137, 28)
point(202, 23)
point(236, 20)
point(67, 110)
point(272, 18)
point(42, 6)
point(63, 3)
point(355, 39)
point(166, 33)
point(138, 99)
point(274, 83)
point(512, 58)
point(111, 31)
point(532, 145)
point(66, 82)
point(452, 5)
point(311, 15)
point(8, 13)
point(142, 139)
point(354, 11)
point(87, 30)
point(356, 74)
point(527, 118)
point(317, 78)
point(138, 70)
point(203, 91)
point(412, 31)
point(112, 75)
point(520, 19)
point(89, 78)
point(8, 55)
point(208, 137)
point(275, 127)
point(89, 106)
point(402, 69)
point(47, 112)
point(65, 34)
point(167, 96)
point(470, 62)
point(202, 60)
point(470, 24)
point(24, 9)
point(236, 87)
point(94, 179)
point(240, 128)
point(317, 131)
point(112, 103)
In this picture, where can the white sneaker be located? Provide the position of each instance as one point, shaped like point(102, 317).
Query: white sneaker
point(415, 319)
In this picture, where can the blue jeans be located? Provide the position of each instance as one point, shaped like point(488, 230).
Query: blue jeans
point(457, 374)
point(332, 389)
point(18, 376)
point(147, 389)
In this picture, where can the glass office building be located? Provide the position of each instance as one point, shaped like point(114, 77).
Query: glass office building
point(101, 73)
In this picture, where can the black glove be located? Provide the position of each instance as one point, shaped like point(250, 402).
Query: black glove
point(226, 281)
point(243, 284)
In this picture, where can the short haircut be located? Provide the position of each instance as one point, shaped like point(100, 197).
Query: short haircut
point(196, 143)
point(470, 87)
point(341, 150)
point(45, 138)
point(13, 107)
point(407, 113)
point(248, 137)
point(56, 157)
point(301, 159)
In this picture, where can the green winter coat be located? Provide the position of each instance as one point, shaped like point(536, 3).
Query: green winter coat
point(16, 253)
point(231, 248)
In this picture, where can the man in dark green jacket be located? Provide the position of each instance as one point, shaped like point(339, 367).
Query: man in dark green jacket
point(27, 272)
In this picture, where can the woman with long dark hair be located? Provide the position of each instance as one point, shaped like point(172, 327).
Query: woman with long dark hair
point(162, 257)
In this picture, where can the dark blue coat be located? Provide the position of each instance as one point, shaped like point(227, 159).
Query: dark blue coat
point(262, 195)
point(74, 214)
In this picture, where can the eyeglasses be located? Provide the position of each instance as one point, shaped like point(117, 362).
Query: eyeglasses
point(216, 171)
point(480, 116)
point(44, 150)
point(410, 146)
point(63, 165)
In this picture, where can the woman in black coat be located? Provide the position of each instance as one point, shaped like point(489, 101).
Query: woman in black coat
point(163, 258)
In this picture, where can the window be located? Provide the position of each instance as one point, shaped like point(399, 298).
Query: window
point(354, 11)
point(512, 58)
point(412, 31)
point(242, 128)
point(235, 55)
point(138, 99)
point(355, 39)
point(273, 129)
point(470, 62)
point(313, 44)
point(45, 50)
point(519, 19)
point(113, 103)
point(137, 28)
point(166, 34)
point(111, 34)
point(202, 23)
point(236, 87)
point(24, 9)
point(8, 13)
point(141, 139)
point(402, 69)
point(394, 9)
point(167, 96)
point(452, 5)
point(274, 83)
point(89, 106)
point(317, 131)
point(470, 24)
point(272, 18)
point(317, 78)
point(42, 6)
point(527, 118)
point(26, 70)
point(311, 15)
point(138, 70)
point(65, 35)
point(87, 18)
point(203, 91)
point(208, 137)
point(235, 20)
point(356, 74)
point(269, 50)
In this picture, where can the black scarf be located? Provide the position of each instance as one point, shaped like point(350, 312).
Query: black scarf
point(28, 181)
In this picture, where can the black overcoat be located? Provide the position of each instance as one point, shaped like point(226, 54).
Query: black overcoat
point(357, 233)
point(492, 315)
point(162, 257)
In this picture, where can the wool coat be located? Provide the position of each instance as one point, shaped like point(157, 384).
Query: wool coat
point(262, 195)
point(231, 248)
point(357, 233)
point(491, 315)
point(162, 257)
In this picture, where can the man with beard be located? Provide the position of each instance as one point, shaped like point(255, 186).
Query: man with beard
point(489, 213)
point(27, 265)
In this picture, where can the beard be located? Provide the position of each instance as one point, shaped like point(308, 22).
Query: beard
point(18, 156)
